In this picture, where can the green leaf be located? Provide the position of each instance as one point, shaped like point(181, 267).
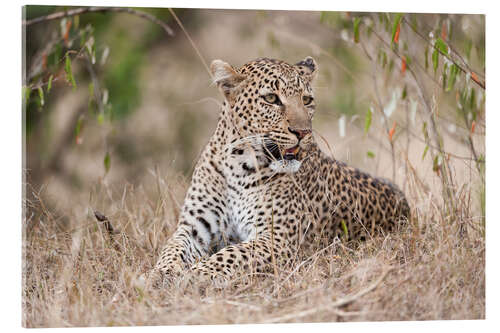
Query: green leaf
point(391, 65)
point(91, 102)
point(387, 22)
point(370, 154)
point(26, 94)
point(76, 22)
point(472, 100)
point(49, 85)
point(368, 120)
point(100, 118)
point(40, 94)
point(380, 18)
point(83, 37)
point(414, 23)
point(55, 57)
point(69, 72)
point(344, 228)
point(404, 93)
point(424, 130)
point(445, 75)
point(408, 60)
point(441, 46)
point(397, 21)
point(436, 163)
point(383, 58)
point(141, 294)
point(453, 77)
point(468, 48)
point(322, 17)
point(425, 152)
point(357, 20)
point(91, 90)
point(435, 60)
point(369, 29)
point(327, 17)
point(107, 162)
point(78, 127)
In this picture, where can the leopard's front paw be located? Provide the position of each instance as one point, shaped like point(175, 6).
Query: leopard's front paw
point(152, 279)
point(204, 276)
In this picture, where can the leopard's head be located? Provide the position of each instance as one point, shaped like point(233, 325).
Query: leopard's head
point(271, 105)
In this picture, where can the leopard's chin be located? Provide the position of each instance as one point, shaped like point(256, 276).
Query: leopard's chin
point(285, 166)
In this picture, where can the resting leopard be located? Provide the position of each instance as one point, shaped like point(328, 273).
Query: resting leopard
point(262, 189)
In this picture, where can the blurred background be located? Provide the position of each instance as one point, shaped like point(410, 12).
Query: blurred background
point(112, 99)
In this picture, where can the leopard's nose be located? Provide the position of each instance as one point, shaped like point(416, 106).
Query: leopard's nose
point(299, 133)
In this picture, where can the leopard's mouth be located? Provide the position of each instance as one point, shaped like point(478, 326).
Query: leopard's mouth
point(291, 153)
point(274, 153)
point(289, 162)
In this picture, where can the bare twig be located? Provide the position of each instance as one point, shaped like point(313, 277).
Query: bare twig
point(109, 227)
point(78, 11)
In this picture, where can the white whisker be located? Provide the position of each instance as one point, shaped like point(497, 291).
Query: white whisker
point(256, 139)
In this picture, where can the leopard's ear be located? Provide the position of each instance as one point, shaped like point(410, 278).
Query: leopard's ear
point(307, 68)
point(227, 79)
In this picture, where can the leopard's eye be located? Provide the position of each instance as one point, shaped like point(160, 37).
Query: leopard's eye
point(272, 99)
point(307, 100)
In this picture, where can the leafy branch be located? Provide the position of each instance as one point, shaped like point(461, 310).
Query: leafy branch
point(442, 47)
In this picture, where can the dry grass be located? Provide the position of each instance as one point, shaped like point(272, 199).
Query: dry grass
point(76, 275)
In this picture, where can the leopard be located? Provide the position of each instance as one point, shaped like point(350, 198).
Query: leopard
point(262, 190)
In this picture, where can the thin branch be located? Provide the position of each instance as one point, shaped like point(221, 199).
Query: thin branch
point(467, 70)
point(78, 11)
point(408, 67)
point(448, 42)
